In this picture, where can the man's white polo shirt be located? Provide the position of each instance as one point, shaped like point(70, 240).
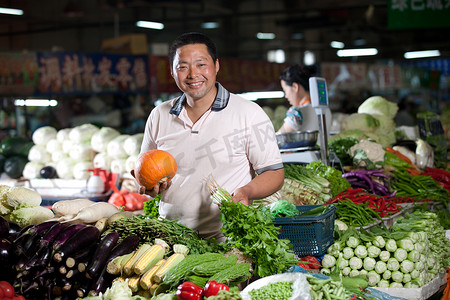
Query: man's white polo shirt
point(231, 141)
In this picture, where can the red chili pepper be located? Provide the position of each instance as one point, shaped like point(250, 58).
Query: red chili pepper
point(304, 266)
point(213, 287)
point(313, 262)
point(189, 291)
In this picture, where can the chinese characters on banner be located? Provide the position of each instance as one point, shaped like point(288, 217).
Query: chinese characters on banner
point(78, 73)
point(404, 14)
point(18, 74)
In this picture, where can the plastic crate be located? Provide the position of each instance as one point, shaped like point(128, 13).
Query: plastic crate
point(308, 235)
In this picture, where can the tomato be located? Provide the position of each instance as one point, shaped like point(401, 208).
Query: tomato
point(8, 290)
point(19, 297)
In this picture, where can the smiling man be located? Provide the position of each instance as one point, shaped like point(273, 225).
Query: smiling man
point(210, 132)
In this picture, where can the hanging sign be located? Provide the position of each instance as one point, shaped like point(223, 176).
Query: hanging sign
point(406, 14)
point(65, 73)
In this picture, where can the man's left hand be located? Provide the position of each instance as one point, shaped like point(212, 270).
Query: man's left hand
point(241, 196)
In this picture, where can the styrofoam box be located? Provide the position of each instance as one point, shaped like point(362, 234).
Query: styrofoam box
point(421, 293)
point(57, 187)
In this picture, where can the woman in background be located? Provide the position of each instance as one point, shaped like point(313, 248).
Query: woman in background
point(301, 116)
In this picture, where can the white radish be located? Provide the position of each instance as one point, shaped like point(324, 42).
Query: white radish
point(93, 213)
point(70, 207)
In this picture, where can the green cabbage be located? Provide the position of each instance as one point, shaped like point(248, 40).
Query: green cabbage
point(357, 121)
point(377, 105)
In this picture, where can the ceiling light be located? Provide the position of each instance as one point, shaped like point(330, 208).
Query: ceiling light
point(151, 25)
point(309, 58)
point(35, 102)
point(277, 56)
point(421, 54)
point(357, 52)
point(262, 95)
point(265, 35)
point(337, 44)
point(11, 11)
point(210, 25)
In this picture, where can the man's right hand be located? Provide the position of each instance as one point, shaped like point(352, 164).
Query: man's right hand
point(159, 188)
point(155, 190)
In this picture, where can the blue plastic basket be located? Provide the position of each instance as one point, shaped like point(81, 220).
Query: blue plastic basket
point(308, 235)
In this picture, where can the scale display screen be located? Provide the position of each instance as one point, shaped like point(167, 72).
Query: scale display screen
point(318, 91)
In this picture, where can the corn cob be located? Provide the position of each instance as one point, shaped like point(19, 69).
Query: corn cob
point(133, 283)
point(128, 267)
point(120, 278)
point(180, 252)
point(146, 279)
point(150, 257)
point(153, 288)
point(114, 267)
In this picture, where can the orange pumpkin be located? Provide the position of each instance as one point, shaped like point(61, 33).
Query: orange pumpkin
point(154, 167)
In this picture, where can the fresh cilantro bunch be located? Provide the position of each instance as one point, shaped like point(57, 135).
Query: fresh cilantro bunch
point(252, 231)
point(333, 175)
point(151, 206)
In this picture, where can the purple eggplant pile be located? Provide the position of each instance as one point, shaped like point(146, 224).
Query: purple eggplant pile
point(54, 259)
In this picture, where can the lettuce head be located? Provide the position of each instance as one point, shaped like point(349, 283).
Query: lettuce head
point(360, 121)
point(377, 105)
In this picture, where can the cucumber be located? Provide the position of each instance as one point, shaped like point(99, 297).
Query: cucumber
point(15, 145)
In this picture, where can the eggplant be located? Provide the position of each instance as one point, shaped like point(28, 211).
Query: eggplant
point(84, 288)
point(6, 260)
point(14, 230)
point(101, 283)
point(66, 234)
point(81, 239)
point(4, 227)
point(127, 245)
point(52, 233)
point(83, 255)
point(98, 261)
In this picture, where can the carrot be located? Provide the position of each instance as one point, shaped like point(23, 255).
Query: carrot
point(400, 155)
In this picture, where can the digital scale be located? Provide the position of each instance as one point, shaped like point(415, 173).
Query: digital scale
point(319, 101)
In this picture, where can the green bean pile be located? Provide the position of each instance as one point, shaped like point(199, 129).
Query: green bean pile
point(327, 289)
point(355, 214)
point(281, 290)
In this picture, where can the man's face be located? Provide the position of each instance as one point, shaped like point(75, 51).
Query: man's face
point(194, 71)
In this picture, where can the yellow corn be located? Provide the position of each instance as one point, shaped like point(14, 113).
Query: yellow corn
point(153, 288)
point(114, 267)
point(146, 279)
point(133, 283)
point(180, 252)
point(150, 257)
point(128, 267)
point(120, 278)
